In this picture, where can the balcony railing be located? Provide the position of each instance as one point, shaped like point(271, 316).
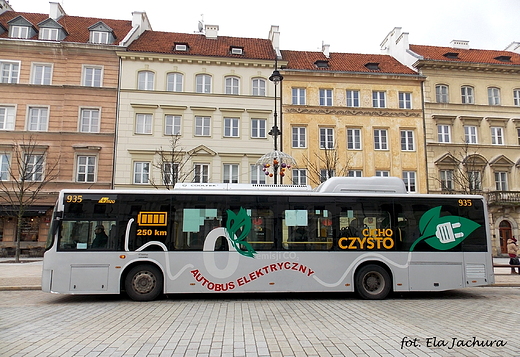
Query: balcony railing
point(503, 197)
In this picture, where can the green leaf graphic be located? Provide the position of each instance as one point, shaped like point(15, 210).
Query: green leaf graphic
point(238, 227)
point(443, 233)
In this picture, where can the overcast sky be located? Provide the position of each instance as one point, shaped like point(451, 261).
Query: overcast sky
point(352, 26)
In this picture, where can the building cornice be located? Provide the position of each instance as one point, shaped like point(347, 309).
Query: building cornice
point(353, 111)
point(466, 66)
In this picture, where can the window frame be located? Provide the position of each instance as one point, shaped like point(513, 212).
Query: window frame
point(410, 181)
point(230, 173)
point(258, 128)
point(202, 125)
point(18, 31)
point(12, 69)
point(494, 96)
point(231, 127)
point(232, 85)
point(442, 93)
point(39, 161)
point(141, 174)
point(497, 135)
point(100, 37)
point(91, 125)
point(501, 179)
point(467, 94)
point(326, 138)
point(8, 120)
point(443, 136)
point(45, 77)
point(378, 99)
point(5, 172)
point(170, 173)
point(203, 83)
point(145, 80)
point(83, 168)
point(143, 124)
point(258, 176)
point(405, 100)
point(49, 34)
point(176, 122)
point(203, 173)
point(352, 98)
point(299, 96)
point(446, 179)
point(42, 122)
point(407, 140)
point(96, 74)
point(352, 135)
point(325, 98)
point(299, 137)
point(471, 134)
point(516, 97)
point(259, 87)
point(380, 141)
point(174, 82)
point(299, 176)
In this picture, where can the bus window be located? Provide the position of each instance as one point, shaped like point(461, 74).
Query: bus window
point(307, 229)
point(192, 225)
point(87, 235)
point(261, 236)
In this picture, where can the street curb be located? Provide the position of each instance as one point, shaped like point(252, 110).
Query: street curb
point(16, 288)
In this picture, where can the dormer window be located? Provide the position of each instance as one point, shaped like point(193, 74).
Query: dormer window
point(503, 58)
point(181, 47)
point(48, 34)
point(102, 34)
point(19, 32)
point(451, 55)
point(322, 63)
point(237, 51)
point(372, 66)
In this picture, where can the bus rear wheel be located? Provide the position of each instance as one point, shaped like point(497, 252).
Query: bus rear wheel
point(372, 282)
point(144, 283)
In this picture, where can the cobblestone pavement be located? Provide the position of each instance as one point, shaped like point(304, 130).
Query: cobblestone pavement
point(455, 323)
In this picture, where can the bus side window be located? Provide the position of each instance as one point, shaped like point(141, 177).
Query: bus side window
point(194, 224)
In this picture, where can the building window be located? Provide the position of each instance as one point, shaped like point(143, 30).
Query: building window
point(467, 95)
point(201, 173)
point(9, 71)
point(202, 126)
point(497, 135)
point(38, 119)
point(33, 167)
point(326, 97)
point(41, 74)
point(444, 133)
point(19, 31)
point(299, 137)
point(232, 85)
point(231, 127)
point(101, 37)
point(326, 174)
point(7, 118)
point(380, 139)
point(141, 172)
point(501, 181)
point(405, 100)
point(259, 87)
point(378, 99)
point(48, 34)
point(446, 180)
point(518, 134)
point(493, 96)
point(143, 123)
point(382, 173)
point(470, 134)
point(299, 176)
point(86, 169)
point(326, 138)
point(409, 181)
point(4, 167)
point(355, 173)
point(258, 130)
point(172, 125)
point(145, 80)
point(298, 96)
point(203, 83)
point(230, 173)
point(174, 82)
point(257, 175)
point(89, 120)
point(352, 98)
point(354, 139)
point(441, 93)
point(516, 97)
point(407, 140)
point(92, 76)
point(475, 180)
point(170, 173)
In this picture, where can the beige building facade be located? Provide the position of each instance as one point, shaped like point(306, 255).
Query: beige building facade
point(209, 94)
point(352, 115)
point(472, 112)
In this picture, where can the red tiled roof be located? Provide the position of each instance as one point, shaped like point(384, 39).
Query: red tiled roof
point(344, 62)
point(199, 45)
point(465, 55)
point(76, 27)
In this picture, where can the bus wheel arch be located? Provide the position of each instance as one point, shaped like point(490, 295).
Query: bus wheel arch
point(143, 281)
point(373, 281)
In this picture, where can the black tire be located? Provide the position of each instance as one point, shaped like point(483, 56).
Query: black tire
point(372, 282)
point(144, 283)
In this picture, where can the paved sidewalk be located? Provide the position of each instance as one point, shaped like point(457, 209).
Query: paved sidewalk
point(27, 275)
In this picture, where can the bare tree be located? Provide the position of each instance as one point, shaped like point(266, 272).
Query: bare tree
point(173, 163)
point(325, 164)
point(24, 179)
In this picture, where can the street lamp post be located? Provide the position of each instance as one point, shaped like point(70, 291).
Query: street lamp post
point(276, 78)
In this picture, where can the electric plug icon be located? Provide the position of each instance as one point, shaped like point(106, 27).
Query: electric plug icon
point(446, 234)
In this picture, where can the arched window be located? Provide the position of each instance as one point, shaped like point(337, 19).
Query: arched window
point(145, 80)
point(174, 82)
point(441, 93)
point(232, 85)
point(203, 83)
point(259, 87)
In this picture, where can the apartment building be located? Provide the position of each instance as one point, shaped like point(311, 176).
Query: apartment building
point(194, 108)
point(354, 115)
point(472, 114)
point(58, 97)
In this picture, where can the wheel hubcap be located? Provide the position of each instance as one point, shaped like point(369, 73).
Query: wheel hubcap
point(143, 282)
point(373, 283)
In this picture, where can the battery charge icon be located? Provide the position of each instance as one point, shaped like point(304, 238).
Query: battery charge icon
point(152, 218)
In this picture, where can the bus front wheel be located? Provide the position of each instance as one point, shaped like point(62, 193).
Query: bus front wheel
point(144, 283)
point(373, 282)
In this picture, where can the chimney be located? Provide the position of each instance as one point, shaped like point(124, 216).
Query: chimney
point(4, 6)
point(513, 47)
point(274, 37)
point(460, 44)
point(211, 31)
point(325, 49)
point(56, 11)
